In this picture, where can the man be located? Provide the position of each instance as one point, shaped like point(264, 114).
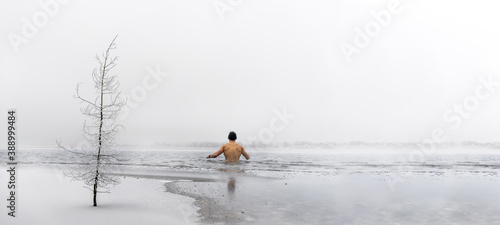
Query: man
point(231, 150)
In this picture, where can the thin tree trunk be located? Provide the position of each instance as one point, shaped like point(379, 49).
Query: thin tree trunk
point(96, 179)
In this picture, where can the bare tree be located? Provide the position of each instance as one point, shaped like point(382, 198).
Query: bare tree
point(97, 158)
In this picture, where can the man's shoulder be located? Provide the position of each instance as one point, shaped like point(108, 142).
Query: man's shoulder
point(239, 146)
point(232, 145)
point(235, 144)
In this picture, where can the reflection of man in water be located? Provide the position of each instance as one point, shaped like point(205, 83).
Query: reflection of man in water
point(231, 186)
point(231, 150)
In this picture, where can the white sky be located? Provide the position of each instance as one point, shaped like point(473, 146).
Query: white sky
point(230, 74)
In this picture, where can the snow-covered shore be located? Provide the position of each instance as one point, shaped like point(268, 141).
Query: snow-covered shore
point(46, 196)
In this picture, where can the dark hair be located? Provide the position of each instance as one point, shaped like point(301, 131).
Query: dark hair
point(231, 136)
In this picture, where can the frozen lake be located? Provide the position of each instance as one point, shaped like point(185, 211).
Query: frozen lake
point(319, 186)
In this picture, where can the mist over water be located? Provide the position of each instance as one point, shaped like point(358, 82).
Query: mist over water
point(276, 162)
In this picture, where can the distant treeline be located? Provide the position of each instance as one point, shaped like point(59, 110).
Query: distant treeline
point(326, 145)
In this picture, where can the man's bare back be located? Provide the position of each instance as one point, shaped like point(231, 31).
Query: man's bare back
point(231, 150)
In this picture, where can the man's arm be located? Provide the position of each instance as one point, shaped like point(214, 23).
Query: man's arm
point(217, 153)
point(244, 153)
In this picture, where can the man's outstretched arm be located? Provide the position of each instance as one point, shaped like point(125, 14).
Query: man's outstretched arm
point(217, 153)
point(244, 153)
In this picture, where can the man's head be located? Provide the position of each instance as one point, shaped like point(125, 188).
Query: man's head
point(231, 136)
